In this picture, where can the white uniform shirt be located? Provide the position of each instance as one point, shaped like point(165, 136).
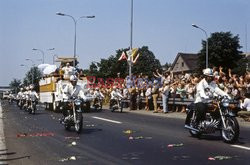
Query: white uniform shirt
point(203, 96)
point(33, 96)
point(116, 94)
point(72, 91)
point(98, 94)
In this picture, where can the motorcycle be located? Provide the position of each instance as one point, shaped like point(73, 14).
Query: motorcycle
point(98, 103)
point(32, 106)
point(21, 103)
point(221, 118)
point(10, 100)
point(116, 104)
point(74, 115)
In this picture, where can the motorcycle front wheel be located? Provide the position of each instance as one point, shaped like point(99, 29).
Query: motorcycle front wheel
point(230, 134)
point(79, 123)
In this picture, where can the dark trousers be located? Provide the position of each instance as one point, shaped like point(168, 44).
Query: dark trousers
point(201, 109)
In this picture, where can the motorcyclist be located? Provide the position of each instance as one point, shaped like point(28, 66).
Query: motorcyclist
point(70, 91)
point(98, 95)
point(19, 96)
point(206, 89)
point(11, 97)
point(26, 96)
point(33, 96)
point(115, 94)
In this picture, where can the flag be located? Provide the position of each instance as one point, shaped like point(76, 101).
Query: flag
point(134, 52)
point(134, 61)
point(123, 57)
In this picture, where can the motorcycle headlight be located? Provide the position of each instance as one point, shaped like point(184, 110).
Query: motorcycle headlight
point(225, 103)
point(78, 102)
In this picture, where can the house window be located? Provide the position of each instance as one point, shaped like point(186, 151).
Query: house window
point(182, 64)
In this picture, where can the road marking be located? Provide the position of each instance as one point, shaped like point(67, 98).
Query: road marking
point(242, 147)
point(2, 140)
point(112, 121)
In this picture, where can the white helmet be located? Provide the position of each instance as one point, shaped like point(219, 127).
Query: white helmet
point(73, 78)
point(208, 72)
point(155, 81)
point(31, 86)
point(21, 89)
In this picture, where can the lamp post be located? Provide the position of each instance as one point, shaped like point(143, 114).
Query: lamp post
point(131, 41)
point(41, 52)
point(206, 42)
point(50, 49)
point(75, 22)
point(54, 58)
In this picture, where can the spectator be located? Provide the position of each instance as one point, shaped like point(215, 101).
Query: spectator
point(155, 91)
point(165, 93)
point(246, 102)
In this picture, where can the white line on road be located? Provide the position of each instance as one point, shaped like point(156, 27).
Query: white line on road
point(2, 140)
point(242, 147)
point(112, 121)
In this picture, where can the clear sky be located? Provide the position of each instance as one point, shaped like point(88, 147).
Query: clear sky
point(162, 25)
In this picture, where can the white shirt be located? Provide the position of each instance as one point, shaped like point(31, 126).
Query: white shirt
point(33, 95)
point(246, 104)
point(68, 71)
point(72, 91)
point(148, 93)
point(203, 96)
point(98, 94)
point(116, 94)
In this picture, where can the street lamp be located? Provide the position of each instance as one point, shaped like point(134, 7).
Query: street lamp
point(41, 52)
point(75, 21)
point(50, 49)
point(206, 42)
point(28, 59)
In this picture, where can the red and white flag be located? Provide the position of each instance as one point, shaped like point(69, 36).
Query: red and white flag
point(123, 57)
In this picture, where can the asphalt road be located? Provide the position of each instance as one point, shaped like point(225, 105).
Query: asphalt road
point(103, 142)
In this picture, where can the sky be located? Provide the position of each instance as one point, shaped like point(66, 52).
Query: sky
point(162, 25)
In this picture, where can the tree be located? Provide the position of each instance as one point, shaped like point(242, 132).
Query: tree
point(35, 74)
point(15, 84)
point(223, 50)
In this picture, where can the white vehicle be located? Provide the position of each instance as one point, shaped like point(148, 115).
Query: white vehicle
point(51, 91)
point(51, 87)
point(6, 95)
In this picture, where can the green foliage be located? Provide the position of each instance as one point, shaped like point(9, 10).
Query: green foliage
point(223, 50)
point(35, 74)
point(14, 85)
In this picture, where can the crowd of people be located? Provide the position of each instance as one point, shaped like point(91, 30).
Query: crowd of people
point(170, 85)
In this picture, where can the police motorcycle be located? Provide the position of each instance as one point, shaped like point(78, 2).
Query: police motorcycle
point(11, 98)
point(32, 102)
point(220, 116)
point(98, 102)
point(20, 102)
point(116, 104)
point(73, 114)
